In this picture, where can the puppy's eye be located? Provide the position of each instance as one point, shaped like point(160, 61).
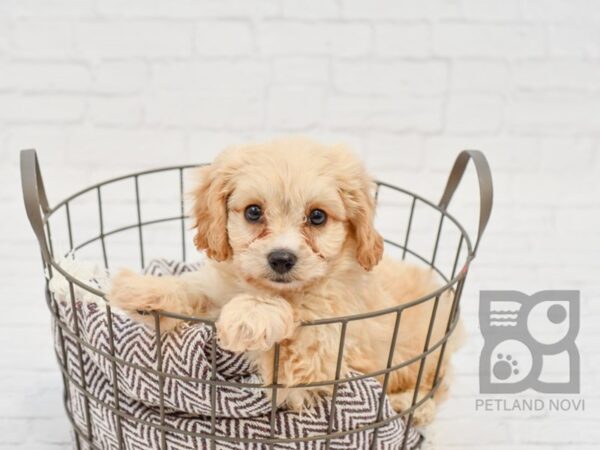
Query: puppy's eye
point(253, 213)
point(317, 217)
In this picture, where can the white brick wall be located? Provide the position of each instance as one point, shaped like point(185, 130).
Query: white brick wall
point(102, 87)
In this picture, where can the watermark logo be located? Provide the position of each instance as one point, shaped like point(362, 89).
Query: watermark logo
point(529, 342)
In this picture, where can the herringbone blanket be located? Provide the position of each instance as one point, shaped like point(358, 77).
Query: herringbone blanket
point(184, 421)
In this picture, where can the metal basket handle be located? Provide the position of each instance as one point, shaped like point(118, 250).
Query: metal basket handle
point(34, 197)
point(486, 189)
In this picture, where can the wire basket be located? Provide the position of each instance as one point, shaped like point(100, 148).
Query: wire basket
point(459, 251)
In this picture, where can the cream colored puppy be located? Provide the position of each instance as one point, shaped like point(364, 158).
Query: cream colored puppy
point(288, 230)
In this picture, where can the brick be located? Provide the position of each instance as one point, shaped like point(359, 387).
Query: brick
point(118, 39)
point(204, 146)
point(580, 41)
point(474, 113)
point(491, 10)
point(41, 108)
point(384, 113)
point(120, 77)
point(479, 76)
point(161, 9)
point(40, 446)
point(457, 430)
point(577, 221)
point(294, 107)
point(49, 77)
point(32, 339)
point(505, 153)
point(212, 76)
point(6, 30)
point(134, 149)
point(205, 110)
point(54, 9)
point(417, 78)
point(44, 39)
point(575, 189)
point(7, 81)
point(400, 9)
point(301, 70)
point(115, 111)
point(557, 75)
point(223, 38)
point(575, 154)
point(49, 140)
point(562, 11)
point(411, 40)
point(545, 432)
point(53, 431)
point(13, 431)
point(536, 113)
point(488, 41)
point(294, 38)
point(311, 9)
point(380, 148)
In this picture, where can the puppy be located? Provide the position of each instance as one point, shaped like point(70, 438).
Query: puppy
point(288, 230)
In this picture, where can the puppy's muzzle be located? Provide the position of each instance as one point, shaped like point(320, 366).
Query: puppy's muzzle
point(281, 261)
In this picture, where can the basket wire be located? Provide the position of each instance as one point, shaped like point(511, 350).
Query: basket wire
point(40, 215)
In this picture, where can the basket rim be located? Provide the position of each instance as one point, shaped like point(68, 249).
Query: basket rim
point(448, 282)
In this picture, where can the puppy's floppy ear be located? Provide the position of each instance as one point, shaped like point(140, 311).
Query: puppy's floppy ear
point(361, 212)
point(357, 191)
point(210, 212)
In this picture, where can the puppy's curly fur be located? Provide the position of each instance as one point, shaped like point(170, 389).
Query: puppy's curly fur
point(338, 271)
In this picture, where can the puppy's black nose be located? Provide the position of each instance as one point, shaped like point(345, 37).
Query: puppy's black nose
point(281, 261)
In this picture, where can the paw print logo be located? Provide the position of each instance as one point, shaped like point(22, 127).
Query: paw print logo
point(505, 367)
point(510, 361)
point(523, 333)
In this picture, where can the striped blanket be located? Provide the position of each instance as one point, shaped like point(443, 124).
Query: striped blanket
point(123, 375)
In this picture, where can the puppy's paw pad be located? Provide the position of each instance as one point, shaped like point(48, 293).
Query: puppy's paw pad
point(241, 338)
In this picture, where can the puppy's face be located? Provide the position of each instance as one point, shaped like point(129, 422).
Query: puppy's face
point(284, 212)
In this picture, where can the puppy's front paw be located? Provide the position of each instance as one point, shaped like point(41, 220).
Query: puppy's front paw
point(134, 293)
point(251, 323)
point(127, 292)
